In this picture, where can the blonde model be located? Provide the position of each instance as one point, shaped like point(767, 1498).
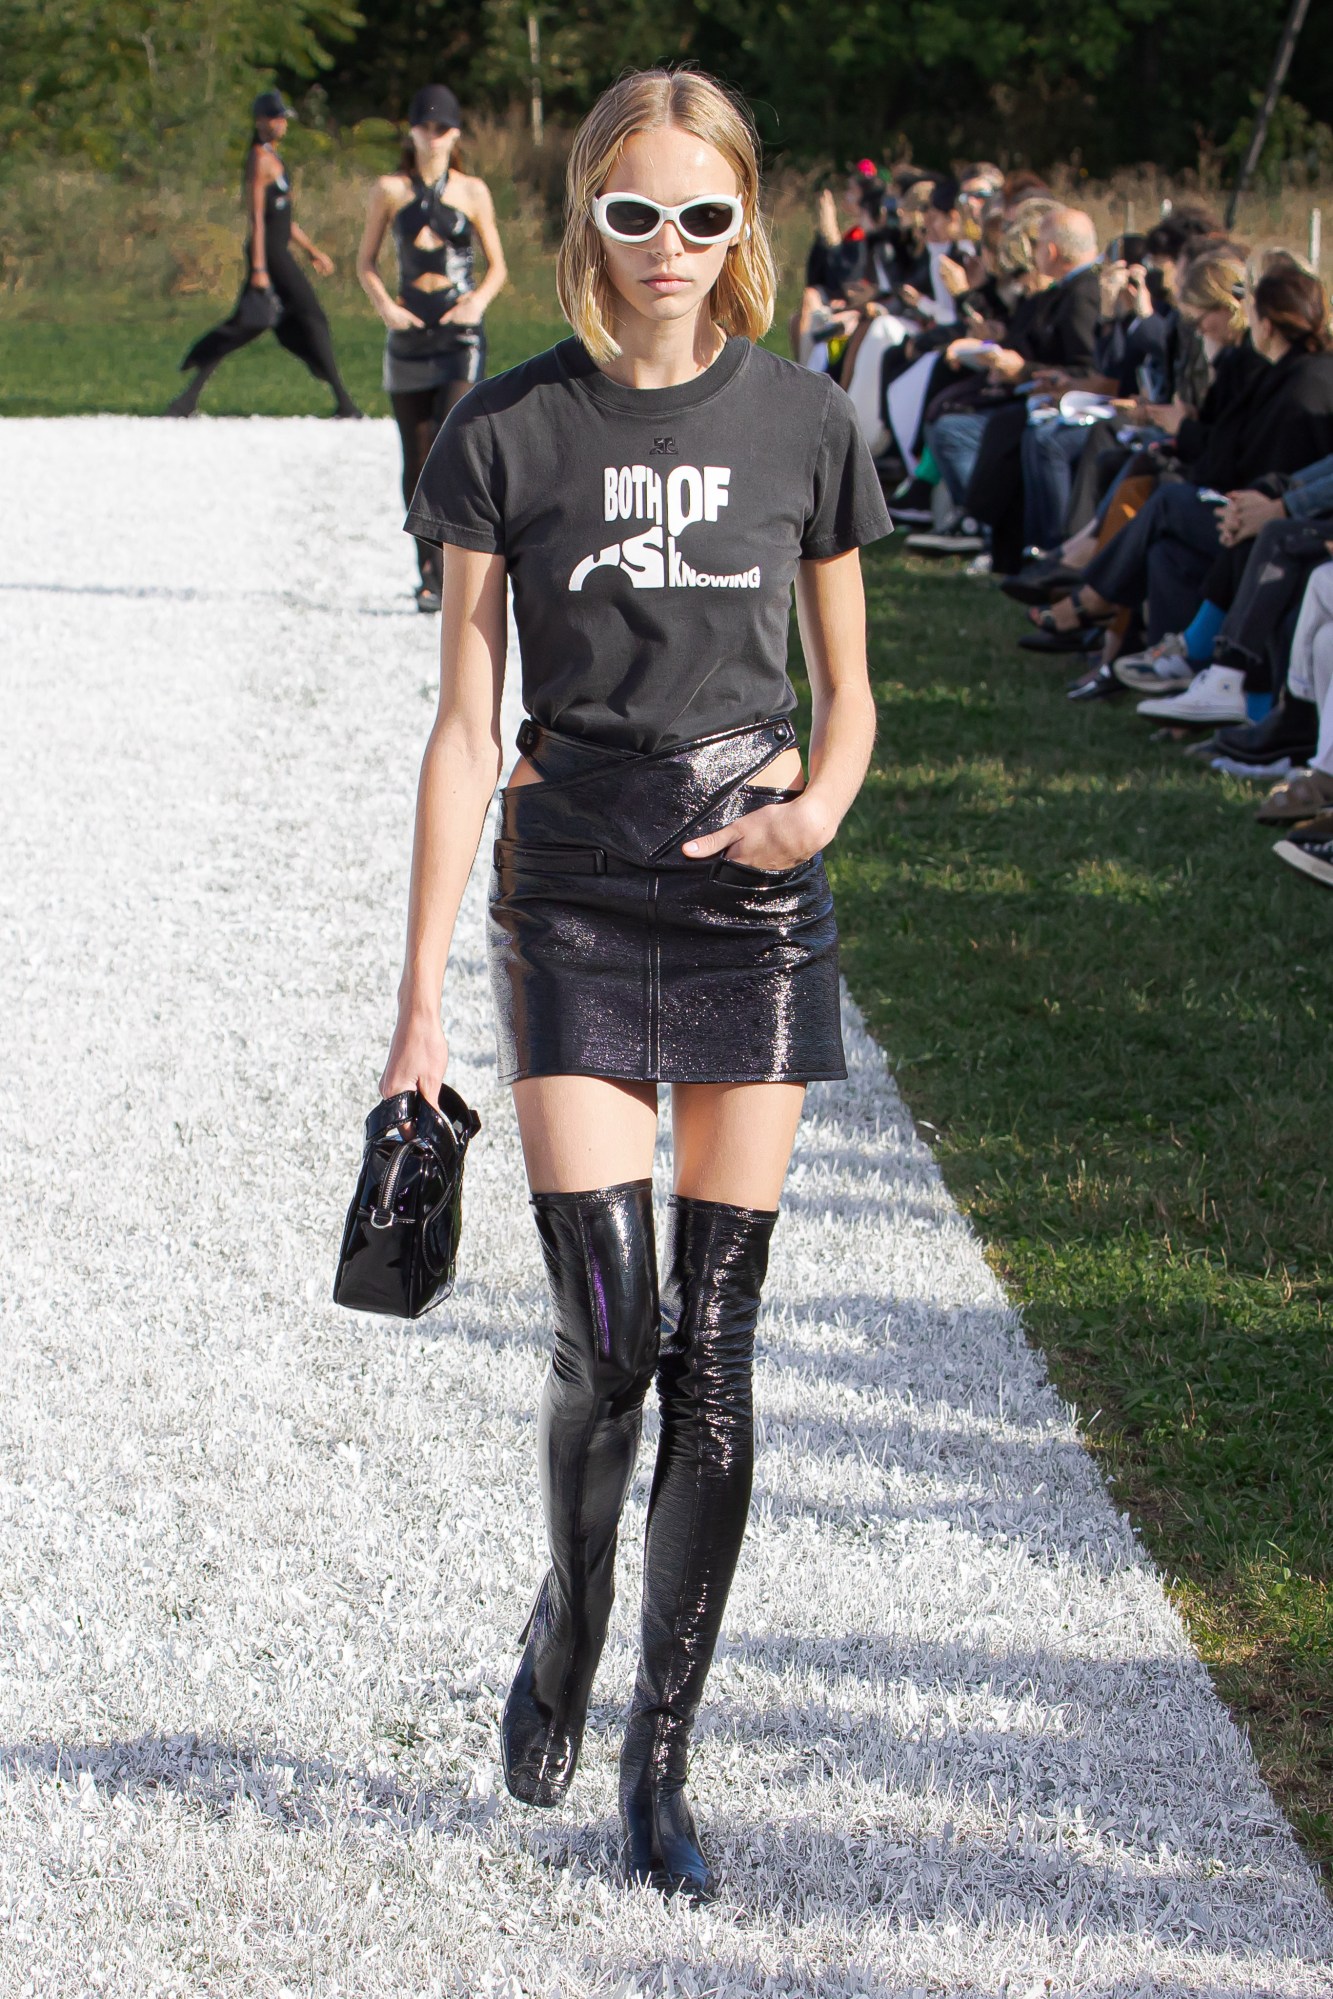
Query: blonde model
point(653, 488)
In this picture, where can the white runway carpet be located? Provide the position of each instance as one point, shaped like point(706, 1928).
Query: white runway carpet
point(263, 1563)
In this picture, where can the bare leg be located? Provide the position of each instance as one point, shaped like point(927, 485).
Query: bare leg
point(1079, 550)
point(585, 1131)
point(733, 1141)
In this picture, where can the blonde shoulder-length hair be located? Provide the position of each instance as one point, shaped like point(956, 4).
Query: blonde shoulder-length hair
point(1214, 282)
point(744, 296)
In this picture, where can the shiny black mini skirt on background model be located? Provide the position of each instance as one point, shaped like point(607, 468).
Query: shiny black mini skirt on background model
point(614, 954)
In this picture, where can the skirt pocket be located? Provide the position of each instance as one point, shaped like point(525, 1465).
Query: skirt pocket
point(739, 875)
point(516, 857)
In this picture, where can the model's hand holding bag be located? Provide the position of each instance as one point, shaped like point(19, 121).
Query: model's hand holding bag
point(400, 1240)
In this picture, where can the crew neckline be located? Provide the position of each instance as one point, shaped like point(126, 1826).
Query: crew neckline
point(581, 369)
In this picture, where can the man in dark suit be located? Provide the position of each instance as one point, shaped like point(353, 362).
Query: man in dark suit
point(1061, 334)
point(1067, 250)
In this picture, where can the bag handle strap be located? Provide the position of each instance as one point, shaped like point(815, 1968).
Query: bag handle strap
point(455, 1119)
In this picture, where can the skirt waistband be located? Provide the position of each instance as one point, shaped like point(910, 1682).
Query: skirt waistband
point(642, 806)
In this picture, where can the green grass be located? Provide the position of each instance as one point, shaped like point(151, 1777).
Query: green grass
point(59, 358)
point(1111, 1003)
point(1102, 994)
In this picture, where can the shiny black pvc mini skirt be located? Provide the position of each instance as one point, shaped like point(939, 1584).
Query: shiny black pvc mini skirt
point(614, 954)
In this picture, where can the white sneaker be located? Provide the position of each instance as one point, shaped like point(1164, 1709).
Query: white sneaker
point(945, 544)
point(1161, 669)
point(1215, 695)
point(1267, 773)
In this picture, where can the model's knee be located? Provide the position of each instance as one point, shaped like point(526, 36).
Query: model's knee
point(717, 1260)
point(601, 1265)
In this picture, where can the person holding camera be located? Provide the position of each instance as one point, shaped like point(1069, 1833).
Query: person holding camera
point(842, 270)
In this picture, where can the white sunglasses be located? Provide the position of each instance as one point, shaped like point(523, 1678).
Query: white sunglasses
point(632, 218)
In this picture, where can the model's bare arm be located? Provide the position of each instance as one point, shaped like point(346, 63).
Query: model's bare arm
point(259, 174)
point(473, 304)
point(321, 259)
point(459, 773)
point(378, 217)
point(831, 612)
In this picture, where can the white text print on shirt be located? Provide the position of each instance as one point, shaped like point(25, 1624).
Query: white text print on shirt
point(651, 559)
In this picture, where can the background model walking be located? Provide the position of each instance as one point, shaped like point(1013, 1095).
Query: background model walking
point(436, 345)
point(277, 295)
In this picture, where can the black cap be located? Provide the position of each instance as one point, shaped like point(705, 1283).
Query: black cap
point(271, 104)
point(944, 195)
point(435, 104)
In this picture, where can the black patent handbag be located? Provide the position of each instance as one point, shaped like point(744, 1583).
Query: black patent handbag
point(400, 1241)
point(258, 310)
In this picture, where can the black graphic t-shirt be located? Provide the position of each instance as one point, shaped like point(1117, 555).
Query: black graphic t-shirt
point(652, 535)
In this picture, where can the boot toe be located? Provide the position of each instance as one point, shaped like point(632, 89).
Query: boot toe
point(694, 1880)
point(539, 1751)
point(660, 1848)
point(538, 1766)
point(533, 1784)
point(698, 1889)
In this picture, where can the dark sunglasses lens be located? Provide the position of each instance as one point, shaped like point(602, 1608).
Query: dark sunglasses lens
point(633, 218)
point(706, 220)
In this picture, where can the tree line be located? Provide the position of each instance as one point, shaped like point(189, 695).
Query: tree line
point(124, 84)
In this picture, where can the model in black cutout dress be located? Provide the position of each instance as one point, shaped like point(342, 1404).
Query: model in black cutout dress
point(277, 295)
point(436, 344)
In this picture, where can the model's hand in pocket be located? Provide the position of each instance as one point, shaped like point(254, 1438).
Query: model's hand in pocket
point(773, 837)
point(398, 319)
point(418, 1057)
point(465, 312)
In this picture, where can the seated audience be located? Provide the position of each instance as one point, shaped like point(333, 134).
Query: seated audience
point(1179, 513)
point(929, 283)
point(1058, 331)
point(1279, 420)
point(1306, 796)
point(841, 267)
point(944, 274)
point(956, 419)
point(1212, 306)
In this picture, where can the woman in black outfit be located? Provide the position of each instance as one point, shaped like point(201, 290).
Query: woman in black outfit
point(276, 294)
point(436, 345)
point(659, 910)
point(1277, 418)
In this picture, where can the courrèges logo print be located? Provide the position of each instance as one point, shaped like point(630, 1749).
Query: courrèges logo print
point(651, 559)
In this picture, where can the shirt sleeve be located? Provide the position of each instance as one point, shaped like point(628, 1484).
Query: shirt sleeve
point(847, 507)
point(1308, 494)
point(460, 494)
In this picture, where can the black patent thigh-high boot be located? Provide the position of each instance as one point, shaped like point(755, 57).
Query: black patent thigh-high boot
point(717, 1258)
point(601, 1261)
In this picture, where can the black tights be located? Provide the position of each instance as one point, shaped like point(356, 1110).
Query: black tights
point(418, 414)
